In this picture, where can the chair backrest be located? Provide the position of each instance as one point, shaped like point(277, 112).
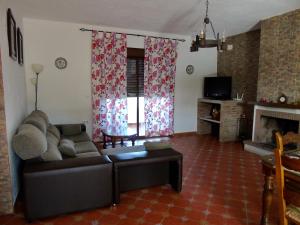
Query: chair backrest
point(290, 137)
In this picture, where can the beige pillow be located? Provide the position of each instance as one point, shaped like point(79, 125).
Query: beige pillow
point(157, 145)
point(29, 142)
point(53, 129)
point(67, 147)
point(41, 114)
point(52, 138)
point(37, 121)
point(52, 153)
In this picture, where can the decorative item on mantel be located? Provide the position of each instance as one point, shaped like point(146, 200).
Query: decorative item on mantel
point(201, 41)
point(282, 99)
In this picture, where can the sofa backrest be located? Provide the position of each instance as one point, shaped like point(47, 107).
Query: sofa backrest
point(36, 137)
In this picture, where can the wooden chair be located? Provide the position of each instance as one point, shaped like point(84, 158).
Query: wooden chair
point(288, 212)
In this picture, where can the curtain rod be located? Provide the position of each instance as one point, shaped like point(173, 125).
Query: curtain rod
point(138, 35)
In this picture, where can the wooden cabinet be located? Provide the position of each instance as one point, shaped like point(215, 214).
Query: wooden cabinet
point(227, 124)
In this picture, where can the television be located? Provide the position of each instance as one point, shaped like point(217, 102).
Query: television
point(217, 88)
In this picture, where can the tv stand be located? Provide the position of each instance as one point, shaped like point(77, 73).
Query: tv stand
point(230, 112)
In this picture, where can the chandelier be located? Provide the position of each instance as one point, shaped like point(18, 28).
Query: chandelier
point(201, 41)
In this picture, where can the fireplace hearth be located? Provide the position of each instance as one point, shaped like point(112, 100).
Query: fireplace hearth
point(268, 120)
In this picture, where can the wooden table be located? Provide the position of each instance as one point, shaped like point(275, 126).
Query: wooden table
point(109, 136)
point(268, 166)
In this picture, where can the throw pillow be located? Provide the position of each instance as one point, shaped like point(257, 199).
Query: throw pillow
point(52, 138)
point(41, 114)
point(53, 129)
point(37, 121)
point(29, 142)
point(67, 147)
point(52, 153)
point(157, 145)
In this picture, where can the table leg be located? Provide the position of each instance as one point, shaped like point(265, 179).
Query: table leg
point(133, 140)
point(122, 141)
point(267, 198)
point(113, 142)
point(104, 141)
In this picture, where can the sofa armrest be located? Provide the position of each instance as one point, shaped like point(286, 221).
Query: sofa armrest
point(70, 185)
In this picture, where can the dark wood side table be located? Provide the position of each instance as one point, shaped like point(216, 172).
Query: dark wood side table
point(109, 136)
point(268, 166)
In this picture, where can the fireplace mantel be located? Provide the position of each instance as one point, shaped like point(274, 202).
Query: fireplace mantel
point(279, 105)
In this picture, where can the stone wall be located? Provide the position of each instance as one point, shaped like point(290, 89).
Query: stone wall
point(241, 63)
point(279, 69)
point(6, 200)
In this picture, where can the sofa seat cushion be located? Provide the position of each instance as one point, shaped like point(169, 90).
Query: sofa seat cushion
point(87, 146)
point(52, 153)
point(82, 137)
point(67, 147)
point(88, 154)
point(29, 142)
point(124, 149)
point(36, 121)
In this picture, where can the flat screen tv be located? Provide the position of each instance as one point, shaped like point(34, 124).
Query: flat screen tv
point(217, 88)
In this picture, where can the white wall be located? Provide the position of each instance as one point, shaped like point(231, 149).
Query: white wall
point(65, 94)
point(14, 88)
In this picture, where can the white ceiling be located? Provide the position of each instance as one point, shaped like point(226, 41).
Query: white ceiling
point(167, 16)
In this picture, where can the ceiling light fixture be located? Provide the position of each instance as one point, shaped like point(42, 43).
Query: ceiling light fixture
point(201, 42)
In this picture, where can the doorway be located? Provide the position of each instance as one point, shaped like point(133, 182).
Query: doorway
point(135, 90)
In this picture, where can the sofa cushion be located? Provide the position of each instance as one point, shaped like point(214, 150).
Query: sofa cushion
point(82, 147)
point(41, 114)
point(124, 149)
point(52, 153)
point(53, 129)
point(157, 145)
point(87, 154)
point(29, 142)
point(67, 147)
point(82, 137)
point(71, 129)
point(36, 121)
point(52, 138)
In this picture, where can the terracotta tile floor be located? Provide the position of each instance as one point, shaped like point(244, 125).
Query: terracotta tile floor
point(222, 186)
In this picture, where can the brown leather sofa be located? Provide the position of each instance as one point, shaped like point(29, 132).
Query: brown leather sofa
point(57, 184)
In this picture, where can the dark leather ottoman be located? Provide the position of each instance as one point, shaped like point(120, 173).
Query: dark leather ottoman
point(66, 186)
point(146, 168)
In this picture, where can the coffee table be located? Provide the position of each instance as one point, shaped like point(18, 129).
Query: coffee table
point(110, 136)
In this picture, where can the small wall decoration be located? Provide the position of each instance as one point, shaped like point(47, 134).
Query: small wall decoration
point(20, 46)
point(189, 69)
point(61, 63)
point(282, 99)
point(12, 35)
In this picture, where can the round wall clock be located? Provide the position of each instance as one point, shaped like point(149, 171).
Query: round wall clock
point(189, 69)
point(61, 63)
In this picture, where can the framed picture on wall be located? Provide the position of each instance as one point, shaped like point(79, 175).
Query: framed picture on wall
point(20, 46)
point(12, 35)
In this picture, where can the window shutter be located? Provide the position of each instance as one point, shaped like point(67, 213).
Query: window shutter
point(135, 75)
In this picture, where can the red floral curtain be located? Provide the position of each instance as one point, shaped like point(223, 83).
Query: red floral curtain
point(108, 81)
point(160, 70)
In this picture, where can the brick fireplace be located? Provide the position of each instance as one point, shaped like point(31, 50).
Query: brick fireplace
point(267, 120)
